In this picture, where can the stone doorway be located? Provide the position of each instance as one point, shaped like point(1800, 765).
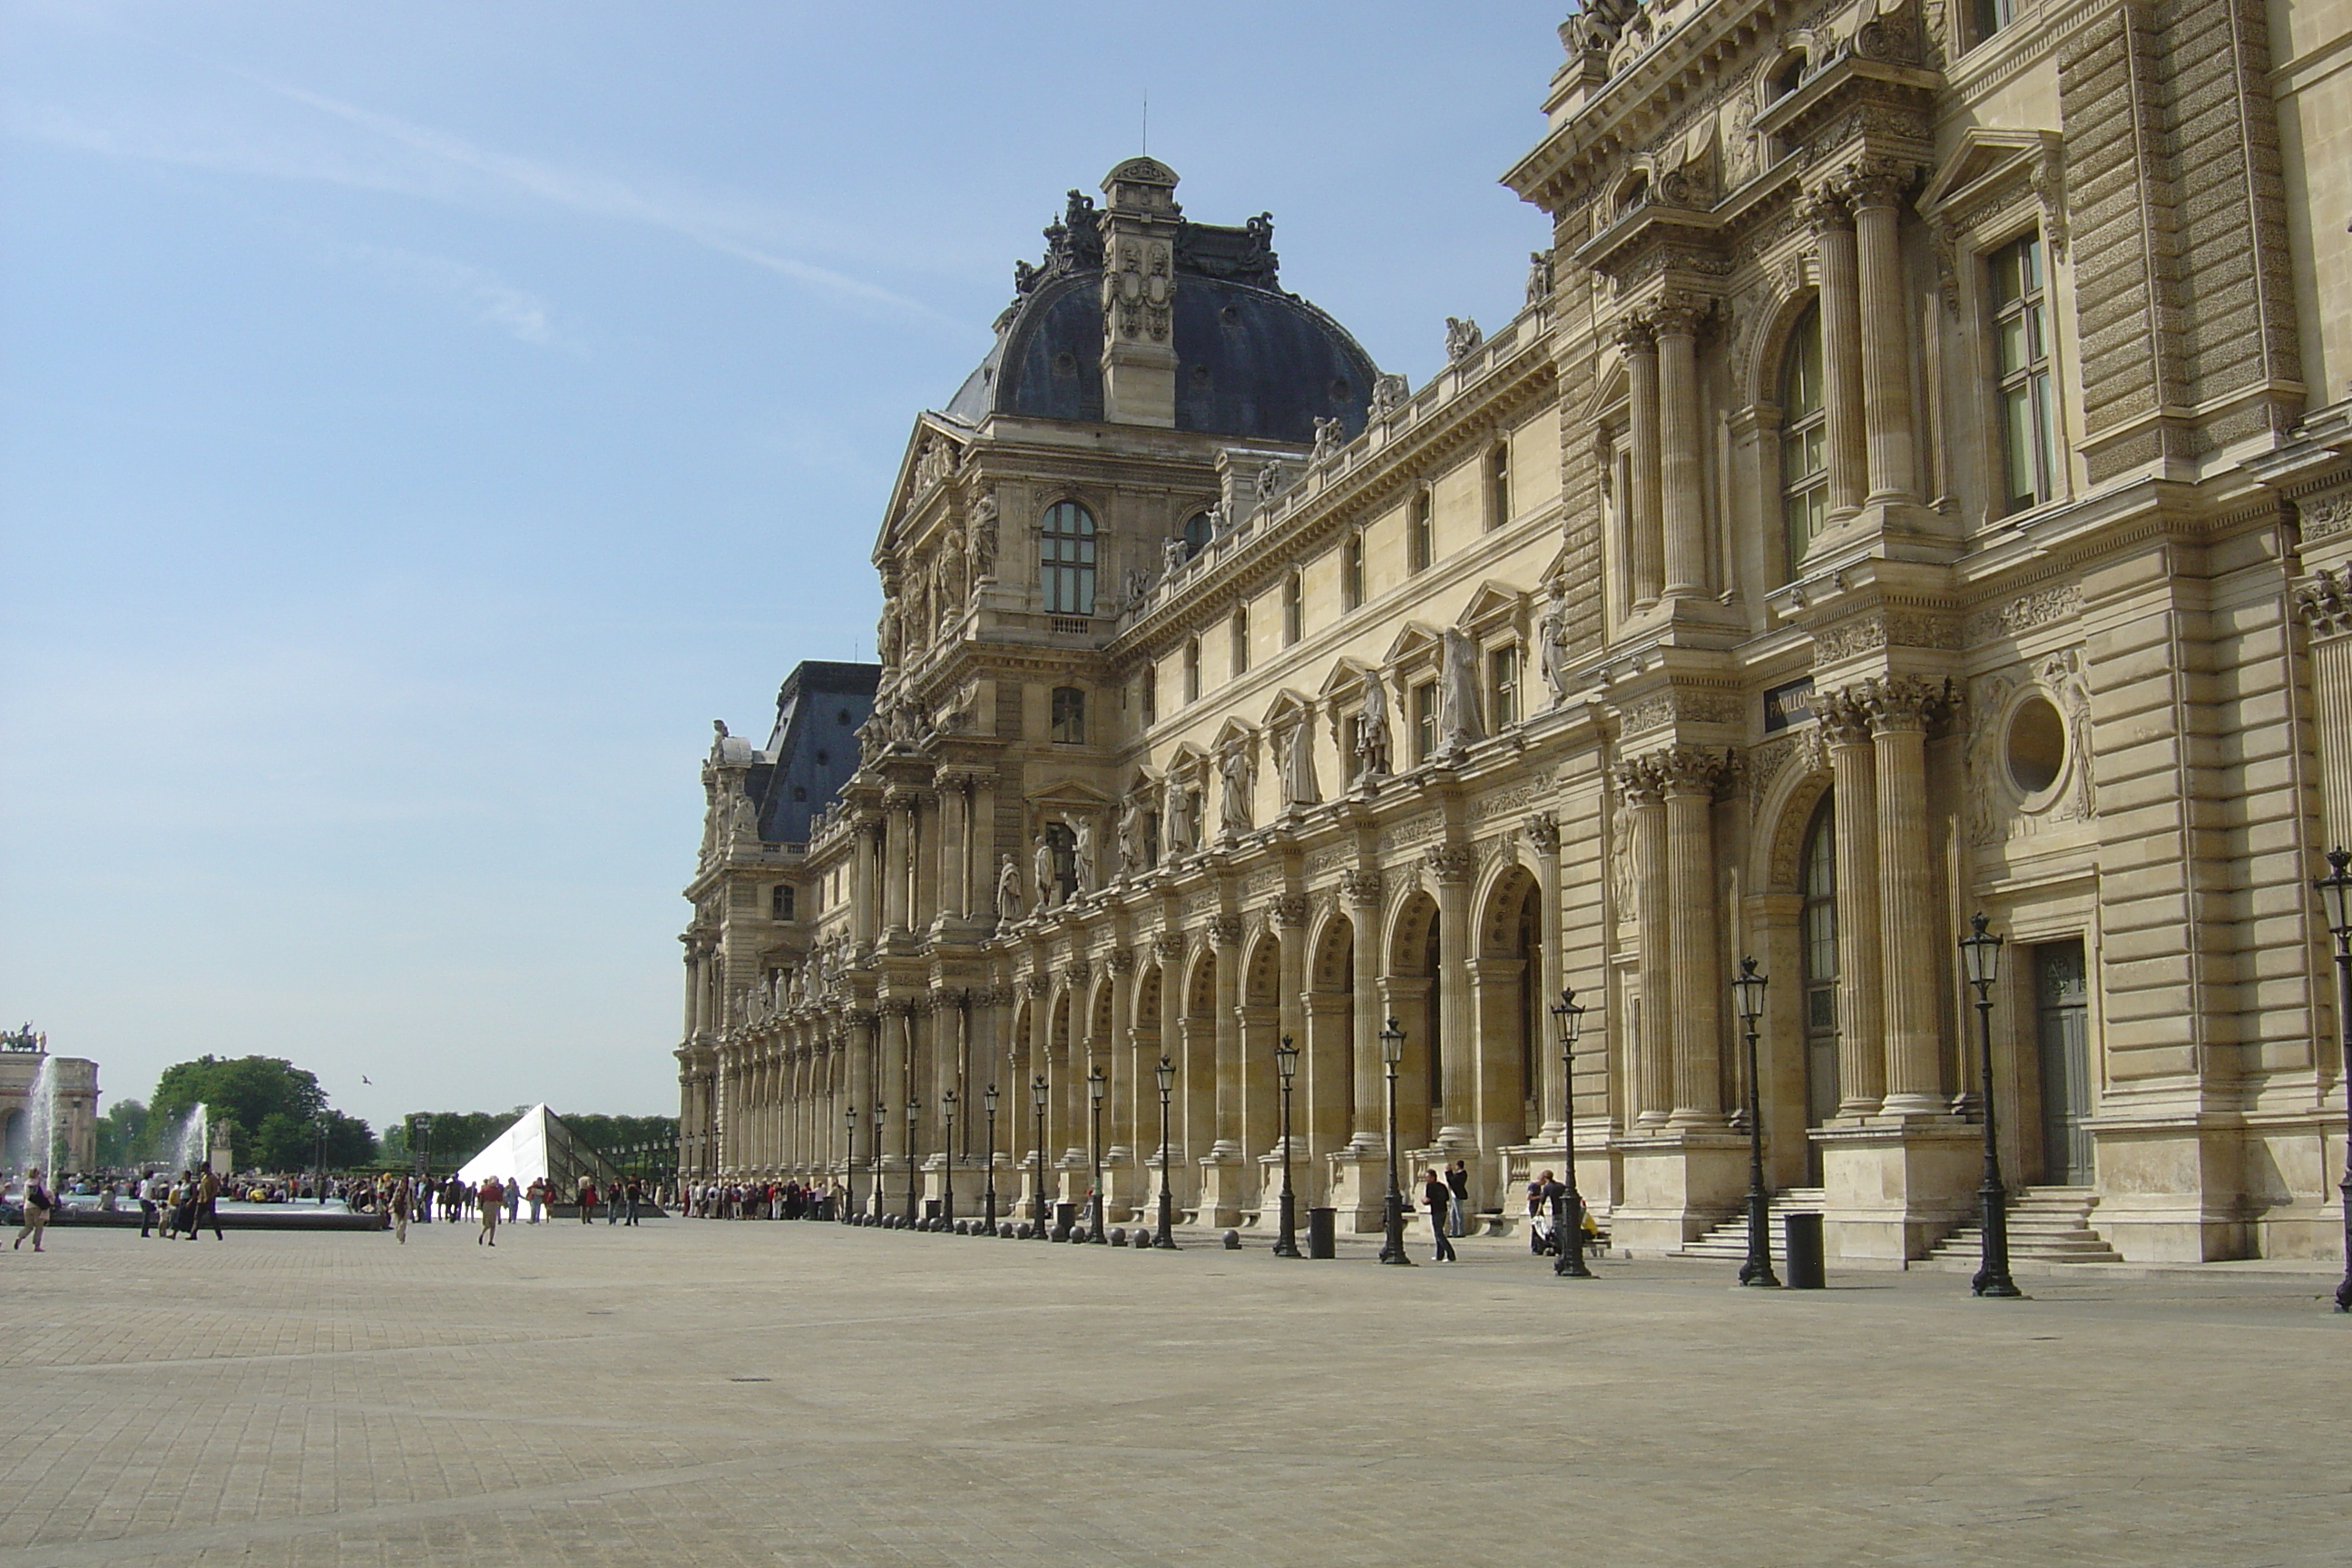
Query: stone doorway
point(2062, 1013)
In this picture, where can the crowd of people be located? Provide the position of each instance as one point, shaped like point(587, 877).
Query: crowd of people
point(764, 1200)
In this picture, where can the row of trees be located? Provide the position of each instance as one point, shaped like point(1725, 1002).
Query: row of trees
point(274, 1112)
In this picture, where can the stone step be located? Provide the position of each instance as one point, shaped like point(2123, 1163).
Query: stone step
point(1729, 1238)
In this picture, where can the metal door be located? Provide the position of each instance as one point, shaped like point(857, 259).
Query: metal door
point(2062, 999)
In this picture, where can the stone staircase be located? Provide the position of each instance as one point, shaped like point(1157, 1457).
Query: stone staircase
point(2046, 1225)
point(1730, 1239)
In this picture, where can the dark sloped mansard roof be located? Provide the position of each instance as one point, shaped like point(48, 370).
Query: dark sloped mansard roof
point(1253, 362)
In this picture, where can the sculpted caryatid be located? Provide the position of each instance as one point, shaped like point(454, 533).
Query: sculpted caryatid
point(1552, 632)
point(1372, 729)
point(1044, 875)
point(1299, 763)
point(1457, 695)
point(1176, 816)
point(1008, 888)
point(1235, 773)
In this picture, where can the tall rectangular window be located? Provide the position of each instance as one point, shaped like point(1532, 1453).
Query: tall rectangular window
point(1420, 543)
point(1293, 609)
point(1351, 570)
point(1992, 16)
point(1150, 695)
point(779, 901)
point(1499, 485)
point(1192, 669)
point(1503, 686)
point(1066, 559)
point(1069, 716)
point(1424, 721)
point(1240, 635)
point(2022, 339)
point(1804, 444)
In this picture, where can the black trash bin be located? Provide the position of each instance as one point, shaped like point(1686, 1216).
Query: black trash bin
point(1803, 1234)
point(1065, 1217)
point(930, 1208)
point(1322, 1232)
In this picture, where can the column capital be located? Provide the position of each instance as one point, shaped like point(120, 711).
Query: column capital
point(1288, 910)
point(1638, 781)
point(1451, 863)
point(1680, 313)
point(1225, 931)
point(1542, 829)
point(1905, 702)
point(1634, 335)
point(1872, 181)
point(1690, 769)
point(1845, 721)
point(2326, 603)
point(1361, 888)
point(1121, 959)
point(1824, 208)
point(1168, 944)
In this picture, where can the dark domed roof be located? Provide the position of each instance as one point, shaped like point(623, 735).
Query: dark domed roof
point(1252, 361)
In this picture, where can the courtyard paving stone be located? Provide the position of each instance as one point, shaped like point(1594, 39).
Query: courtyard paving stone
point(696, 1393)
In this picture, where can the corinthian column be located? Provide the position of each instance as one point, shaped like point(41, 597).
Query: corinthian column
point(1645, 546)
point(1690, 778)
point(1452, 866)
point(2326, 603)
point(1683, 493)
point(1898, 709)
point(1841, 298)
point(1862, 1060)
point(1876, 192)
point(1654, 1076)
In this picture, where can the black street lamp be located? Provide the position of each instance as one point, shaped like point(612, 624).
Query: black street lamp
point(947, 1170)
point(1748, 991)
point(988, 1198)
point(849, 1189)
point(1286, 1067)
point(914, 1165)
point(1166, 1073)
point(320, 1127)
point(2335, 895)
point(1096, 1085)
point(881, 1115)
point(1392, 1207)
point(1568, 1207)
point(1981, 951)
point(1038, 1091)
point(420, 1138)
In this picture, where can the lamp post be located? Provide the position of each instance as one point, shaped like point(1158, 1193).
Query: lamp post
point(1166, 1073)
point(1747, 990)
point(1038, 1091)
point(1286, 1067)
point(2335, 895)
point(1980, 950)
point(1567, 1209)
point(1096, 1085)
point(319, 1128)
point(913, 1164)
point(1392, 1207)
point(420, 1137)
point(849, 1188)
point(947, 1169)
point(881, 1114)
point(988, 1198)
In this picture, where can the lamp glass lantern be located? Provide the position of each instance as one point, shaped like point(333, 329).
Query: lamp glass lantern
point(1166, 1073)
point(1285, 1061)
point(1391, 1044)
point(2336, 893)
point(1980, 951)
point(1748, 989)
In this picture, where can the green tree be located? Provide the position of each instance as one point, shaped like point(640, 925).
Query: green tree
point(242, 1091)
point(123, 1133)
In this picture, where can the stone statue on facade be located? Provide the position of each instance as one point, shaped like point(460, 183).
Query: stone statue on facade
point(1329, 436)
point(1133, 858)
point(1462, 337)
point(1174, 554)
point(1176, 815)
point(1299, 763)
point(1457, 695)
point(1540, 278)
point(1371, 746)
point(1389, 394)
point(1008, 889)
point(1237, 778)
point(1044, 875)
point(983, 539)
point(1269, 485)
point(1082, 851)
point(886, 632)
point(1551, 638)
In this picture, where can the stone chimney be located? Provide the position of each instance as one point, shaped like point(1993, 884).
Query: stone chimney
point(1138, 230)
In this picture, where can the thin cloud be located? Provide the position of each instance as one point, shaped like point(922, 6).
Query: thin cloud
point(490, 299)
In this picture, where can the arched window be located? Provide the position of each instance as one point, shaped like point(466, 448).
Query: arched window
point(1197, 530)
point(1787, 79)
point(1816, 936)
point(1632, 194)
point(1069, 716)
point(1066, 560)
point(1805, 440)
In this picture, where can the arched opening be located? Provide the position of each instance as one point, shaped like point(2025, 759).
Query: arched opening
point(1804, 443)
point(1198, 530)
point(1510, 1011)
point(1416, 999)
point(1817, 937)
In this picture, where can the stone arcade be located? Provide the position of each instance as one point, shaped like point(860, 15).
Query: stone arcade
point(1918, 482)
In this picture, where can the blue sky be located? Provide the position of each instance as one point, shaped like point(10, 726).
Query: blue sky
point(418, 421)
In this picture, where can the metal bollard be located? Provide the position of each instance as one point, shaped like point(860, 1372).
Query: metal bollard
point(1322, 1232)
point(1803, 1233)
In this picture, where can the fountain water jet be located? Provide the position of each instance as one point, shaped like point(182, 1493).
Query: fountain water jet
point(41, 1118)
point(194, 1145)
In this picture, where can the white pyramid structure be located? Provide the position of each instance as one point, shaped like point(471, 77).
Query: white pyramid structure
point(539, 1147)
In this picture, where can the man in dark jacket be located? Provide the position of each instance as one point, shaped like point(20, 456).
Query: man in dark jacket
point(1438, 1199)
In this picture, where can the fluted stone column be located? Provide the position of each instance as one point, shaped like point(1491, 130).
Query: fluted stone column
point(1911, 942)
point(1654, 1074)
point(1681, 482)
point(1853, 773)
point(1877, 195)
point(1689, 778)
point(1452, 866)
point(898, 862)
point(1226, 931)
point(2326, 604)
point(1363, 891)
point(867, 878)
point(1544, 973)
point(1842, 379)
point(1646, 542)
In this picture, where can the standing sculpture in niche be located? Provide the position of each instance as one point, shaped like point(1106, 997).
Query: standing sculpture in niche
point(1176, 815)
point(1237, 777)
point(983, 539)
point(1299, 763)
point(1372, 730)
point(1044, 875)
point(1552, 632)
point(1132, 850)
point(1457, 695)
point(1008, 889)
point(1082, 851)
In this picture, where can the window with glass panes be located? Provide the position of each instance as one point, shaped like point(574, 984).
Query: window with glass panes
point(1196, 534)
point(2021, 350)
point(1503, 686)
point(1351, 570)
point(1292, 608)
point(1069, 716)
point(1499, 485)
point(1192, 669)
point(1992, 16)
point(1151, 694)
point(1804, 441)
point(1817, 933)
point(1424, 721)
point(1420, 547)
point(1066, 560)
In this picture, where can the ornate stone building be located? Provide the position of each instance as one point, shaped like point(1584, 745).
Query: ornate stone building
point(1916, 484)
point(29, 1075)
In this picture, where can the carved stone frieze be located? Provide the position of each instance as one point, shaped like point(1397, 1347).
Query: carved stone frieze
point(2325, 516)
point(1225, 930)
point(1360, 886)
point(1451, 862)
point(2060, 601)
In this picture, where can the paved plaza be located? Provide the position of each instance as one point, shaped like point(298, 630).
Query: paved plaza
point(698, 1393)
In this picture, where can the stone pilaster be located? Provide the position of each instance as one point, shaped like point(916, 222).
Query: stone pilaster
point(1645, 542)
point(1842, 375)
point(1861, 1063)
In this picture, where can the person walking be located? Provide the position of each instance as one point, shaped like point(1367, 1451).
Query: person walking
point(514, 1200)
point(401, 1200)
point(38, 1205)
point(538, 1193)
point(150, 1188)
point(492, 1199)
point(1457, 1211)
point(636, 1193)
point(587, 1201)
point(207, 1206)
point(1438, 1199)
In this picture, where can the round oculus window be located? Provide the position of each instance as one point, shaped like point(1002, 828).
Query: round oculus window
point(2037, 745)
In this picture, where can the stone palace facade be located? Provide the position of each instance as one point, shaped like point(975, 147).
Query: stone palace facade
point(1919, 482)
